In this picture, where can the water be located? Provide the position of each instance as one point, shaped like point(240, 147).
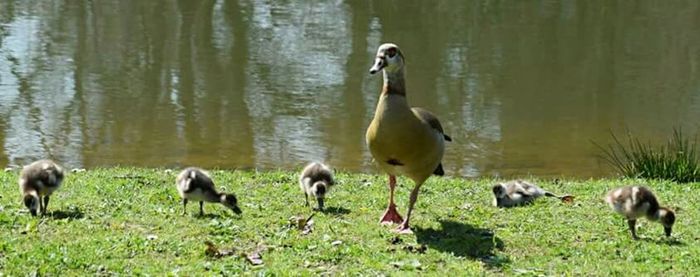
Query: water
point(523, 87)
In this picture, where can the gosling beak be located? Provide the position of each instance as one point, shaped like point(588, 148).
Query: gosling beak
point(379, 64)
point(320, 204)
point(668, 230)
point(237, 210)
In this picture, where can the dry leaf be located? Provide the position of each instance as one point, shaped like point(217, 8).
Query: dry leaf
point(302, 223)
point(569, 199)
point(308, 227)
point(213, 251)
point(254, 258)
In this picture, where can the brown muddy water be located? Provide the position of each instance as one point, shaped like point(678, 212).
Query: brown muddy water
point(523, 87)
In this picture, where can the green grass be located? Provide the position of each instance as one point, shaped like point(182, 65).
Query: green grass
point(128, 221)
point(675, 161)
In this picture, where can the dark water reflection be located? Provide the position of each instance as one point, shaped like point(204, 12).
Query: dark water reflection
point(523, 87)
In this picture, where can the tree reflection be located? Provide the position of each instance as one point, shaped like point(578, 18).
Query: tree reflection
point(521, 87)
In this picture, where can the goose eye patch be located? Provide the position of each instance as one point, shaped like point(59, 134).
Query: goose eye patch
point(391, 52)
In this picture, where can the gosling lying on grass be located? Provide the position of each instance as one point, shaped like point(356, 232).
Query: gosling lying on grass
point(196, 185)
point(37, 182)
point(519, 192)
point(315, 180)
point(638, 201)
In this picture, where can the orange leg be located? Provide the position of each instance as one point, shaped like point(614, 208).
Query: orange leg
point(404, 228)
point(391, 215)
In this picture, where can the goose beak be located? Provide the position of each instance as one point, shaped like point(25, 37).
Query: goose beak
point(320, 204)
point(237, 210)
point(667, 230)
point(379, 64)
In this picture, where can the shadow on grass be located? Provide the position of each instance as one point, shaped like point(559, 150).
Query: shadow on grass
point(73, 213)
point(335, 210)
point(464, 240)
point(664, 241)
point(204, 216)
point(213, 215)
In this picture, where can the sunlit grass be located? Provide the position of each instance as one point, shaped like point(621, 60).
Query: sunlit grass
point(675, 161)
point(128, 221)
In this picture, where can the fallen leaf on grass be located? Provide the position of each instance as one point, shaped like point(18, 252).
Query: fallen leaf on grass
point(213, 251)
point(254, 258)
point(305, 225)
point(568, 199)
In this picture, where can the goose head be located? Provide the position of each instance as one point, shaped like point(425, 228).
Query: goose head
point(32, 203)
point(499, 191)
point(229, 200)
point(667, 218)
point(319, 190)
point(389, 58)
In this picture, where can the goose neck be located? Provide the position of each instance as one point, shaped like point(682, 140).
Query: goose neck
point(394, 83)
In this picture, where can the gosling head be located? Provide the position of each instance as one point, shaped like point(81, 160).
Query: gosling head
point(499, 190)
point(32, 203)
point(667, 217)
point(319, 190)
point(389, 58)
point(229, 200)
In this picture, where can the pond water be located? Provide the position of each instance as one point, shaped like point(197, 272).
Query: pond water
point(523, 87)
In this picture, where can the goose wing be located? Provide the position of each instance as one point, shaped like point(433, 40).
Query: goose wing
point(427, 117)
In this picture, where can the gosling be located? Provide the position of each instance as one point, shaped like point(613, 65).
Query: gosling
point(316, 180)
point(638, 201)
point(519, 192)
point(37, 182)
point(196, 185)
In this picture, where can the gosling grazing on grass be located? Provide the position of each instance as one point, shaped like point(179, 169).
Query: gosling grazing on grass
point(196, 185)
point(403, 140)
point(638, 201)
point(519, 192)
point(37, 182)
point(316, 180)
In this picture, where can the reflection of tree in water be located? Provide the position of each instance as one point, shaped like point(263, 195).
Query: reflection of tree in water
point(296, 75)
point(124, 86)
point(36, 85)
point(236, 83)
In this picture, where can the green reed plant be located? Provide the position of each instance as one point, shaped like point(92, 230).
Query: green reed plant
point(676, 161)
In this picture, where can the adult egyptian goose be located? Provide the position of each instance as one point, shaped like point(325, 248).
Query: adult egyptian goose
point(316, 180)
point(403, 140)
point(196, 185)
point(638, 201)
point(37, 182)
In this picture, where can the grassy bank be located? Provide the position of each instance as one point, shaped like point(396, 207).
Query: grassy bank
point(125, 220)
